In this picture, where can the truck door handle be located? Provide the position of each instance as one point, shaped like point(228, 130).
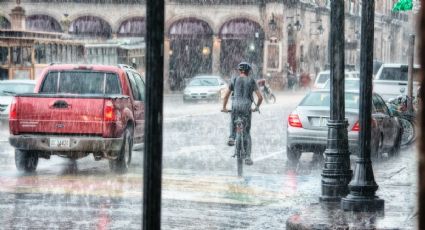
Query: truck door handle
point(400, 83)
point(60, 104)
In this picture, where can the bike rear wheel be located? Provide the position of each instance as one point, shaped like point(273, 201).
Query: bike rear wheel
point(272, 99)
point(240, 166)
point(239, 148)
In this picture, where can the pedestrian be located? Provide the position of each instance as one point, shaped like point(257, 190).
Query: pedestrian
point(243, 88)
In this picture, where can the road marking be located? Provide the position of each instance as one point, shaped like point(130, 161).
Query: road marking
point(267, 156)
point(216, 189)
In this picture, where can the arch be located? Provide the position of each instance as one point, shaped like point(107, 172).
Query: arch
point(4, 23)
point(190, 28)
point(191, 41)
point(132, 27)
point(90, 26)
point(41, 22)
point(241, 28)
point(242, 39)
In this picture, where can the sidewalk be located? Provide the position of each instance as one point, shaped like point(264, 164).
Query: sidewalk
point(397, 186)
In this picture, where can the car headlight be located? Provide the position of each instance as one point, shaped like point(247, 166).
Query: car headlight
point(213, 91)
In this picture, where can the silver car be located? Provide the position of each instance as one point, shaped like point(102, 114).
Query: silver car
point(307, 129)
point(9, 88)
point(206, 87)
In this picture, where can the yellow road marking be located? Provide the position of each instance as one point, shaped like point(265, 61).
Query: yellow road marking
point(220, 189)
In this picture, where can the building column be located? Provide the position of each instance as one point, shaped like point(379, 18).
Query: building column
point(216, 55)
point(166, 64)
point(17, 18)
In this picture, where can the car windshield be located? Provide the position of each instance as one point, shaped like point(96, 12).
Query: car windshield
point(323, 99)
point(15, 88)
point(350, 84)
point(204, 82)
point(397, 73)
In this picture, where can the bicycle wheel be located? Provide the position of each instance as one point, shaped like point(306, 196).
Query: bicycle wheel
point(239, 157)
point(266, 97)
point(272, 98)
point(409, 134)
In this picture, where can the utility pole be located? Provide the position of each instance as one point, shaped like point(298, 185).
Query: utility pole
point(336, 172)
point(363, 186)
point(154, 115)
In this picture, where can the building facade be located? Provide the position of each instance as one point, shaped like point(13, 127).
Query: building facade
point(212, 36)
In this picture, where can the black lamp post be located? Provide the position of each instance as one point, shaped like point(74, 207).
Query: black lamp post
point(363, 186)
point(336, 172)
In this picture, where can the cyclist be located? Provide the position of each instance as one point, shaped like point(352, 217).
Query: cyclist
point(243, 88)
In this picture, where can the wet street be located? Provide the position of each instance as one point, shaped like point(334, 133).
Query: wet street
point(200, 186)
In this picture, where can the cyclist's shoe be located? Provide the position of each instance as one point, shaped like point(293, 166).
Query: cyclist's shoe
point(231, 142)
point(248, 161)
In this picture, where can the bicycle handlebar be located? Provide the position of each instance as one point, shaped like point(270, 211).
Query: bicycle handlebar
point(229, 111)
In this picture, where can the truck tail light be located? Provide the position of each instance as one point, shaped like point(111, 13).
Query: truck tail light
point(109, 111)
point(294, 120)
point(356, 127)
point(13, 114)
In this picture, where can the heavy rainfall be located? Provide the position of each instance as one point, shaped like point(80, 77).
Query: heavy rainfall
point(74, 95)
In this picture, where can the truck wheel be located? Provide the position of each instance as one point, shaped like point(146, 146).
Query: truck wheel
point(26, 161)
point(120, 165)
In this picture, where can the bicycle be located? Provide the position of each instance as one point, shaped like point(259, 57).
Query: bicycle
point(242, 142)
point(399, 107)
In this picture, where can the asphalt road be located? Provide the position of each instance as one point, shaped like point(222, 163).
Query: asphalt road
point(200, 186)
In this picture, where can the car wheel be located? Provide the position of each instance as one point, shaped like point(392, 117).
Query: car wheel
point(26, 161)
point(293, 155)
point(395, 150)
point(122, 162)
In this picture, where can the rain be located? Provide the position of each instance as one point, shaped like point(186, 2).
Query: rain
point(74, 86)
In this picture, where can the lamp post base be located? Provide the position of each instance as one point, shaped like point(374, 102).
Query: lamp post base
point(362, 204)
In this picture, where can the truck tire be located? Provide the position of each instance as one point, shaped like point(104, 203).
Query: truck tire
point(26, 161)
point(122, 162)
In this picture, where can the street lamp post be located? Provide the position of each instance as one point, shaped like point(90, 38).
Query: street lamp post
point(336, 172)
point(363, 186)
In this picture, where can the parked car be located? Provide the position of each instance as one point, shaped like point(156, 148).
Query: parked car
point(323, 76)
point(9, 88)
point(392, 79)
point(350, 84)
point(205, 87)
point(79, 110)
point(307, 129)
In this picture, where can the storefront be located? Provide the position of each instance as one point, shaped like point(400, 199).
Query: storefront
point(23, 55)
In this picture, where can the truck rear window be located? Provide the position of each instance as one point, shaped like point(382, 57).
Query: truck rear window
point(81, 82)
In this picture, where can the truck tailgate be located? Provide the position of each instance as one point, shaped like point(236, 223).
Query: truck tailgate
point(59, 115)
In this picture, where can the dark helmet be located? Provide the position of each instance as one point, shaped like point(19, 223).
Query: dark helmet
point(244, 67)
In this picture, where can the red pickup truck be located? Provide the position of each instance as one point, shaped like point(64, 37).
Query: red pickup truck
point(76, 110)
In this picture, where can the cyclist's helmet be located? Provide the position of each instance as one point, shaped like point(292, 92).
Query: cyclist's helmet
point(244, 67)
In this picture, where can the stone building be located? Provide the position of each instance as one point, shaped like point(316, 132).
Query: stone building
point(212, 36)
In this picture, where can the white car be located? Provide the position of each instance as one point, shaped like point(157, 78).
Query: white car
point(8, 89)
point(391, 80)
point(205, 87)
point(323, 76)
